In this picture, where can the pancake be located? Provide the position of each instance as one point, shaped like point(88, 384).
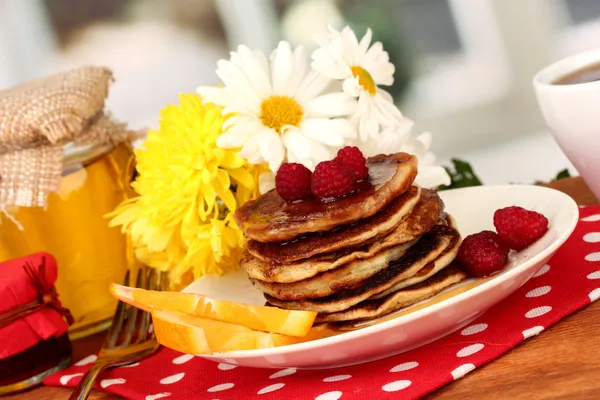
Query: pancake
point(422, 219)
point(347, 276)
point(445, 259)
point(270, 218)
point(346, 236)
point(398, 300)
point(427, 249)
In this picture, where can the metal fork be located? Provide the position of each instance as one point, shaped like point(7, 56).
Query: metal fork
point(129, 338)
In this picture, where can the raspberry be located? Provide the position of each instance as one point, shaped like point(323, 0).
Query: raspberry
point(483, 253)
point(292, 181)
point(519, 227)
point(354, 160)
point(332, 179)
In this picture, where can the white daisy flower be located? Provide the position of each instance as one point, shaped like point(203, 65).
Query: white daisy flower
point(281, 111)
point(430, 175)
point(362, 67)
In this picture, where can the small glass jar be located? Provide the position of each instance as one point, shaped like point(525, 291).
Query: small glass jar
point(73, 228)
point(29, 368)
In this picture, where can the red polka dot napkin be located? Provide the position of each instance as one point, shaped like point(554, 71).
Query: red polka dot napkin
point(570, 280)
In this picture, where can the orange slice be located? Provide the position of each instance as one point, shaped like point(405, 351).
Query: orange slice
point(267, 319)
point(197, 335)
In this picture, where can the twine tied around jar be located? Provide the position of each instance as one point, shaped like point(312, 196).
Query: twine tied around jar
point(48, 297)
point(38, 118)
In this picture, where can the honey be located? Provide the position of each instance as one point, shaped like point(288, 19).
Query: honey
point(73, 229)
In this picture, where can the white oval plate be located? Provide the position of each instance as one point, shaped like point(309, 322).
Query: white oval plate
point(473, 209)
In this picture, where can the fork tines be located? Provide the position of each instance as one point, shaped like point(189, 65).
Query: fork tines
point(130, 325)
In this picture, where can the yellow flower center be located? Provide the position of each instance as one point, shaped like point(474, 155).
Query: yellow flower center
point(279, 111)
point(364, 79)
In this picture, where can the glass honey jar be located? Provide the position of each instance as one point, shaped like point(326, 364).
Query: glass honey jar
point(73, 228)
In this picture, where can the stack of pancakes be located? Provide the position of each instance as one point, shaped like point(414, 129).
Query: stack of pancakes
point(383, 248)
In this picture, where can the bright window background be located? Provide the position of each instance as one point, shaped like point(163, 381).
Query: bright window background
point(464, 67)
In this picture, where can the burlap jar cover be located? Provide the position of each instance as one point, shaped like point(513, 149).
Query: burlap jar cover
point(37, 118)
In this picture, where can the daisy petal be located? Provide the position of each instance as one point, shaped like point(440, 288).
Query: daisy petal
point(266, 182)
point(331, 105)
point(234, 78)
point(256, 71)
point(387, 108)
point(282, 67)
point(322, 130)
point(216, 95)
point(304, 150)
point(383, 74)
point(351, 87)
point(350, 44)
point(414, 147)
point(237, 135)
point(426, 138)
point(372, 54)
point(364, 43)
point(251, 152)
point(271, 148)
point(428, 159)
point(297, 145)
point(236, 120)
point(300, 66)
point(432, 177)
point(313, 85)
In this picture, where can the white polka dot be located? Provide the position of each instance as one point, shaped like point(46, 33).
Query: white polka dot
point(66, 378)
point(538, 291)
point(594, 294)
point(593, 257)
point(594, 275)
point(271, 388)
point(87, 360)
point(104, 383)
point(405, 366)
point(542, 271)
point(538, 311)
point(172, 379)
point(473, 329)
point(157, 396)
point(462, 371)
point(469, 350)
point(336, 378)
point(183, 359)
point(591, 218)
point(226, 367)
point(329, 396)
point(396, 385)
point(222, 386)
point(527, 333)
point(592, 237)
point(135, 364)
point(283, 372)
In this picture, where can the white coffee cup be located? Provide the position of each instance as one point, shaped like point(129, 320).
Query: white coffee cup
point(572, 112)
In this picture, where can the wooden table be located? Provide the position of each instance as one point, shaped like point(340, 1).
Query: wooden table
point(562, 362)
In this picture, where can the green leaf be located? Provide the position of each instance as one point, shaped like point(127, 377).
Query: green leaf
point(462, 175)
point(563, 174)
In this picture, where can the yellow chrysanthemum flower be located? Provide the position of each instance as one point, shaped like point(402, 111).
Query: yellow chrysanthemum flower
point(188, 189)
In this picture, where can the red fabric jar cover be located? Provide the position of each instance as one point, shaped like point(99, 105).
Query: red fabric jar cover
point(29, 307)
